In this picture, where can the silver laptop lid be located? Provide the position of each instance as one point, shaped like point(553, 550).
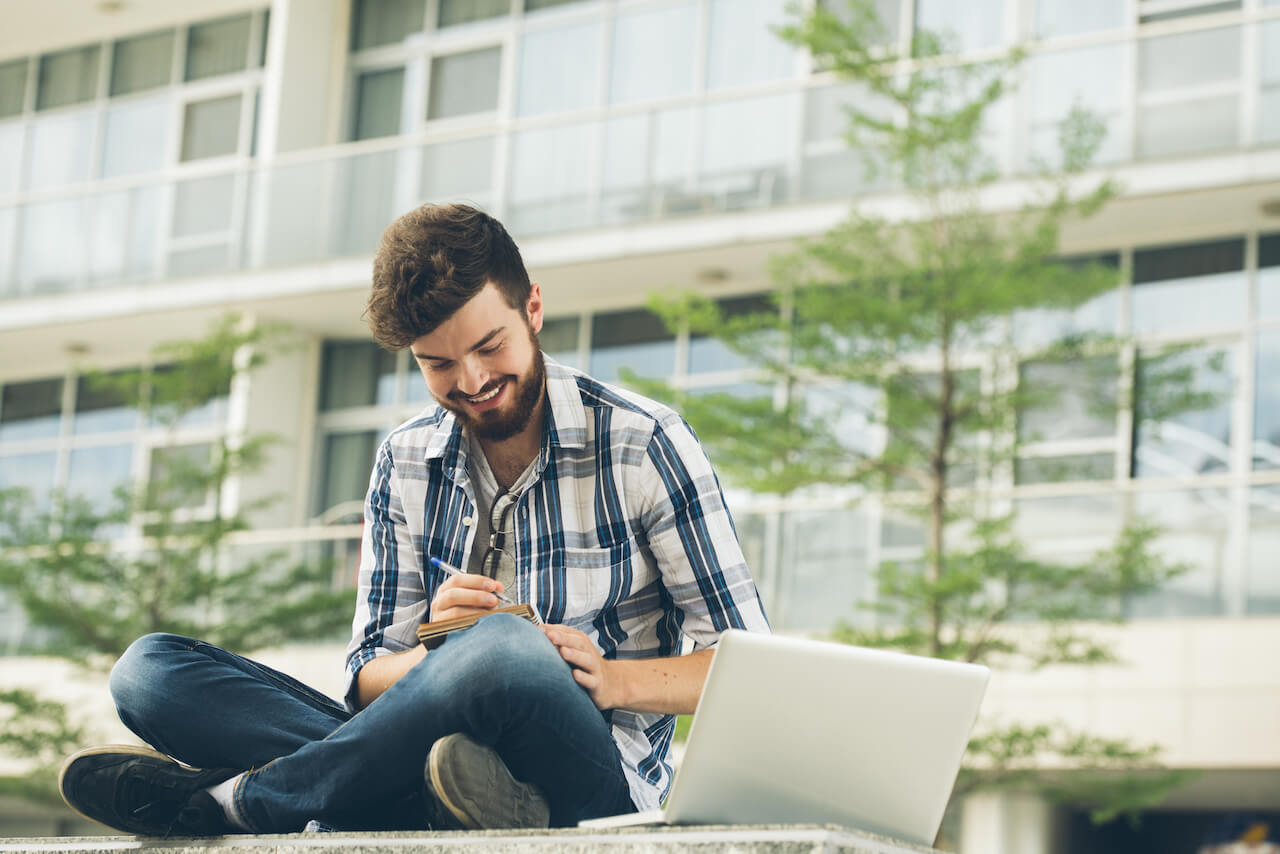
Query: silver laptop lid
point(792, 731)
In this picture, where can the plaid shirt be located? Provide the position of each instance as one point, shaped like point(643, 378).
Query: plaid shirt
point(623, 535)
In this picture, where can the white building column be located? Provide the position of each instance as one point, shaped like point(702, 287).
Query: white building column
point(1007, 823)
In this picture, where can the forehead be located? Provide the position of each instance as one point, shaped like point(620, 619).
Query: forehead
point(477, 317)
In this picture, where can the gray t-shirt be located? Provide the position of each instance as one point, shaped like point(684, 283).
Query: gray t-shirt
point(494, 505)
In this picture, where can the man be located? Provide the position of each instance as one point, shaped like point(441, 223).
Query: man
point(595, 505)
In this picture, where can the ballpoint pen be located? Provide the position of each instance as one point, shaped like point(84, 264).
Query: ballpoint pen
point(453, 570)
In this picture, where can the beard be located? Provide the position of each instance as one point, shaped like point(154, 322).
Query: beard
point(496, 424)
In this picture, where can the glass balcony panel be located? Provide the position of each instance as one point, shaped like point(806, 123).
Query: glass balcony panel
point(30, 410)
point(828, 571)
point(1264, 545)
point(1196, 531)
point(13, 87)
point(218, 47)
point(11, 134)
point(464, 83)
point(1058, 82)
point(1189, 127)
point(203, 205)
point(559, 69)
point(1269, 96)
point(1070, 17)
point(888, 13)
point(962, 27)
point(95, 473)
point(1046, 524)
point(743, 48)
point(61, 149)
point(454, 13)
point(211, 128)
point(200, 261)
point(135, 137)
point(551, 179)
point(653, 54)
point(379, 22)
point(67, 77)
point(1184, 443)
point(747, 149)
point(378, 103)
point(459, 171)
point(141, 63)
point(1266, 404)
point(559, 339)
point(367, 185)
point(125, 235)
point(636, 339)
point(31, 472)
point(49, 262)
point(1179, 61)
point(348, 462)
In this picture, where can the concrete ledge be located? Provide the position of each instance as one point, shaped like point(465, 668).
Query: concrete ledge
point(795, 839)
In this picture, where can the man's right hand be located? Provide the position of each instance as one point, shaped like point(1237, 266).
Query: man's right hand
point(464, 596)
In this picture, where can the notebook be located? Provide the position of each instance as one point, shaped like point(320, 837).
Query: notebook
point(795, 731)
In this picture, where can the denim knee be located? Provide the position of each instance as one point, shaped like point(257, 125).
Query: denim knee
point(138, 675)
point(508, 654)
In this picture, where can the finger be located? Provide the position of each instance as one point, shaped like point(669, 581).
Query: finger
point(586, 680)
point(463, 597)
point(470, 581)
point(579, 659)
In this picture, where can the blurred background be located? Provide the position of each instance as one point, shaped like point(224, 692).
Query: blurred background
point(163, 164)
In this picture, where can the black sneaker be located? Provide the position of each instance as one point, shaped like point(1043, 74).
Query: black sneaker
point(140, 791)
point(472, 782)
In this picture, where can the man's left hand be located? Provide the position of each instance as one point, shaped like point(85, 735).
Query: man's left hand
point(591, 670)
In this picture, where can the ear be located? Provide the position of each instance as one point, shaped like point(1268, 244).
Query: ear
point(533, 308)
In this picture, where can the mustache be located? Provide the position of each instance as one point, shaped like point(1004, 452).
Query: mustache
point(488, 387)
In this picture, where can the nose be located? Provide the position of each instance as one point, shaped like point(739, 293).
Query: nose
point(472, 376)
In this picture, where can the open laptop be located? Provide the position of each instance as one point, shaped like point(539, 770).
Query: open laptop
point(792, 731)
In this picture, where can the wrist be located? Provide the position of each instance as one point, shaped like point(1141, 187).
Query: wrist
point(618, 697)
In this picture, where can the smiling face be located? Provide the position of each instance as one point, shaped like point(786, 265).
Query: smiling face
point(483, 364)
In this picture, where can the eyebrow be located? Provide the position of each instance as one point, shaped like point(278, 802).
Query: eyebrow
point(476, 346)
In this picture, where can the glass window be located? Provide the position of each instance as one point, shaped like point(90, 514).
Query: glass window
point(218, 47)
point(348, 462)
point(1264, 545)
point(459, 170)
point(828, 571)
point(648, 165)
point(142, 62)
point(1190, 287)
point(134, 139)
point(535, 5)
point(125, 233)
point(1091, 520)
point(13, 87)
point(1182, 423)
point(32, 472)
point(1203, 8)
point(1186, 127)
point(1079, 400)
point(551, 178)
point(171, 472)
point(559, 69)
point(95, 473)
point(743, 47)
point(1064, 467)
point(11, 135)
point(211, 128)
point(101, 408)
point(50, 262)
point(1068, 17)
point(357, 373)
point(888, 13)
point(165, 406)
point(1189, 59)
point(1058, 82)
point(456, 12)
point(463, 83)
point(200, 261)
point(61, 149)
point(653, 53)
point(853, 413)
point(635, 339)
point(749, 143)
point(378, 97)
point(1269, 97)
point(1195, 530)
point(30, 410)
point(369, 185)
point(962, 27)
point(1269, 275)
point(379, 22)
point(710, 354)
point(203, 205)
point(559, 339)
point(8, 251)
point(1266, 409)
point(68, 77)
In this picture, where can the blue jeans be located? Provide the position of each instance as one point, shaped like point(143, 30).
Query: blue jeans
point(502, 682)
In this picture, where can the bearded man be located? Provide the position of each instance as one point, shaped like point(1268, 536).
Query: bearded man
point(595, 505)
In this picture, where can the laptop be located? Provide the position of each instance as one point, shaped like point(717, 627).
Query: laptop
point(794, 731)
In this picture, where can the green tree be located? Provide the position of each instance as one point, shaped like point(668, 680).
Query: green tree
point(895, 311)
point(88, 591)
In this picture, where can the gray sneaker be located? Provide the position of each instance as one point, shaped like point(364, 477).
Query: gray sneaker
point(472, 782)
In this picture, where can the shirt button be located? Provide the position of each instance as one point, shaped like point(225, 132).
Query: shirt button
point(467, 520)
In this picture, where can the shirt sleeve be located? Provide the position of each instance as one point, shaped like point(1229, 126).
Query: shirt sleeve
point(391, 600)
point(692, 538)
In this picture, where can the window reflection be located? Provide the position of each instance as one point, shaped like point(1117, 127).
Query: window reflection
point(1068, 17)
point(95, 473)
point(203, 205)
point(1269, 275)
point(462, 170)
point(1264, 545)
point(746, 147)
point(101, 408)
point(141, 63)
point(13, 87)
point(1073, 400)
point(348, 460)
point(31, 472)
point(67, 77)
point(211, 128)
point(648, 166)
point(135, 137)
point(456, 12)
point(559, 69)
point(11, 135)
point(30, 410)
point(1064, 468)
point(653, 52)
point(357, 373)
point(973, 25)
point(218, 47)
point(1183, 414)
point(377, 109)
point(61, 147)
point(1092, 520)
point(827, 571)
point(1266, 403)
point(550, 179)
point(743, 48)
point(379, 22)
point(1269, 97)
point(635, 339)
point(48, 263)
point(1189, 287)
point(1188, 62)
point(1195, 526)
point(464, 83)
point(1059, 82)
point(559, 339)
point(710, 354)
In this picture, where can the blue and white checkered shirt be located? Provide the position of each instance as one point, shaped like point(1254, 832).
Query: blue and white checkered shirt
point(623, 535)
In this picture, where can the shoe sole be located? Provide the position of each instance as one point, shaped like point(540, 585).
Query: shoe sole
point(130, 749)
point(436, 772)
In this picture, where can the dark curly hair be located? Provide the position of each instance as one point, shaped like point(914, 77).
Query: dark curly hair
point(430, 262)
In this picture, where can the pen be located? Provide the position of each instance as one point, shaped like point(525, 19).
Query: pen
point(453, 570)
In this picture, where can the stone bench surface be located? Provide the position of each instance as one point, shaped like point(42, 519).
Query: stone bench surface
point(634, 840)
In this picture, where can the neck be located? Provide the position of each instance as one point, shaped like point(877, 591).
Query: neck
point(510, 457)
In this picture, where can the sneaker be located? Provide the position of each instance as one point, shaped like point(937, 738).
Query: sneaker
point(140, 791)
point(472, 782)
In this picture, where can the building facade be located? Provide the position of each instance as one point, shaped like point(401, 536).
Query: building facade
point(163, 164)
